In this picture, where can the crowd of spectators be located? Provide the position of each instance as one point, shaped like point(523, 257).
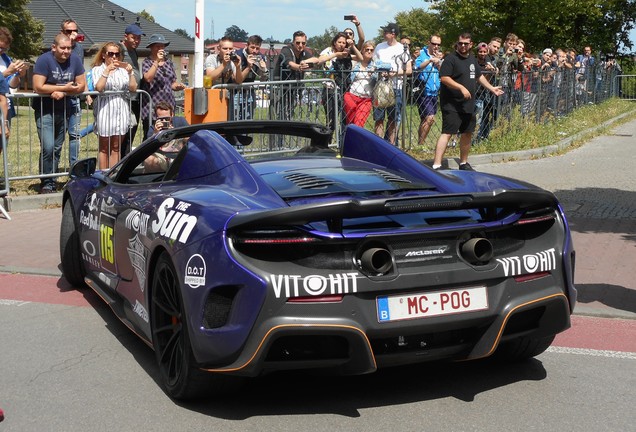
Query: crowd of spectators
point(523, 79)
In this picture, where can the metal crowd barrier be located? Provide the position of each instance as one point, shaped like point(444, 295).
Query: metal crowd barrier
point(23, 151)
point(4, 190)
point(311, 100)
point(625, 86)
point(529, 96)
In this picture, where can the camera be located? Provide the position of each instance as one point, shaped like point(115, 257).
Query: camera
point(233, 56)
point(165, 122)
point(79, 38)
point(349, 17)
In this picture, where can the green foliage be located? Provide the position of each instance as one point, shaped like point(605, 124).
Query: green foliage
point(236, 33)
point(182, 32)
point(558, 23)
point(319, 43)
point(145, 14)
point(418, 25)
point(27, 32)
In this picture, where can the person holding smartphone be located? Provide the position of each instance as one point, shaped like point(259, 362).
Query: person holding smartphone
point(349, 31)
point(291, 64)
point(159, 77)
point(112, 112)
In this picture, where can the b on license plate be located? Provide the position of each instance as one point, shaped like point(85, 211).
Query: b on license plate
point(430, 304)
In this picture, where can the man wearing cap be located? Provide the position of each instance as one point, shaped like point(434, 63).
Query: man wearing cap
point(394, 53)
point(131, 41)
point(159, 78)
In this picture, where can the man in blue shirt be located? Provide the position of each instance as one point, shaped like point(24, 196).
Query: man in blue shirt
point(428, 62)
point(58, 74)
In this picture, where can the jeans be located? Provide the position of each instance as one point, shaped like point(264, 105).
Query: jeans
point(51, 128)
point(242, 105)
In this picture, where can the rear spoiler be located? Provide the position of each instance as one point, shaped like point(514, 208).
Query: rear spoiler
point(352, 208)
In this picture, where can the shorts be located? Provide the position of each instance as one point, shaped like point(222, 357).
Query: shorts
point(393, 113)
point(426, 105)
point(454, 122)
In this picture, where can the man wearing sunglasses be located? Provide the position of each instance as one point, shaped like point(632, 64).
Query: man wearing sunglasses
point(291, 64)
point(69, 28)
point(459, 75)
point(427, 64)
point(59, 75)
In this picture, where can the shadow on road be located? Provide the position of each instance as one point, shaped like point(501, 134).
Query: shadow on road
point(600, 210)
point(297, 393)
point(614, 296)
point(302, 392)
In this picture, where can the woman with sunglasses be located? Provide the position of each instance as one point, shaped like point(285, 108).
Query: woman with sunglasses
point(112, 111)
point(357, 101)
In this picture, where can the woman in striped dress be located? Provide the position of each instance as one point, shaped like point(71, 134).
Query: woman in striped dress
point(112, 111)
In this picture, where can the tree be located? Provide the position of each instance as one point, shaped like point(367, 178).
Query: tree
point(236, 33)
point(182, 32)
point(418, 25)
point(27, 32)
point(558, 23)
point(318, 43)
point(145, 14)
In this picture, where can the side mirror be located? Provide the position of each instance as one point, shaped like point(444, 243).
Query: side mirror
point(83, 168)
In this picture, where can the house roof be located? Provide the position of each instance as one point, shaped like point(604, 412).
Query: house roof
point(101, 21)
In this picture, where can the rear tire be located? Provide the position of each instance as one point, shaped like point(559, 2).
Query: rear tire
point(72, 265)
point(180, 376)
point(523, 348)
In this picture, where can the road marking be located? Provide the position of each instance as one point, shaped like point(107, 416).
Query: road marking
point(7, 302)
point(593, 352)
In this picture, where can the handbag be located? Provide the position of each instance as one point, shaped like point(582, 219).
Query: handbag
point(383, 95)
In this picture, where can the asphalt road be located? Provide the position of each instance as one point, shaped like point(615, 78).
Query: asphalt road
point(69, 365)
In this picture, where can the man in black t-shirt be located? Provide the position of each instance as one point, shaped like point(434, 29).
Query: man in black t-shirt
point(292, 63)
point(459, 75)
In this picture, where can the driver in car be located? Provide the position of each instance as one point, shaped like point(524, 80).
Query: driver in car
point(160, 160)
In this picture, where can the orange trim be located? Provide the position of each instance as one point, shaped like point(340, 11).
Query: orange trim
point(260, 345)
point(503, 324)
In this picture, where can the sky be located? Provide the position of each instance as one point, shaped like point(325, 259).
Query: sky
point(276, 18)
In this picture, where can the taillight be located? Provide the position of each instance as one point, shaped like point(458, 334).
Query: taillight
point(537, 216)
point(273, 236)
point(317, 299)
point(531, 277)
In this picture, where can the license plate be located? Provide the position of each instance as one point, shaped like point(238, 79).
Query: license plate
point(430, 304)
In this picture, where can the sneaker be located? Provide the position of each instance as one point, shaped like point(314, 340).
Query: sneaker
point(47, 189)
point(466, 167)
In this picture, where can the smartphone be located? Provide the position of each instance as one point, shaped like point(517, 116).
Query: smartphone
point(349, 17)
point(79, 38)
point(310, 64)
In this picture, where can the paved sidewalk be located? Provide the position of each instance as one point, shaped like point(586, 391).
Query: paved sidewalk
point(595, 184)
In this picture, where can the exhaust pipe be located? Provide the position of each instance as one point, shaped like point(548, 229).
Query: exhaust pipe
point(477, 250)
point(376, 261)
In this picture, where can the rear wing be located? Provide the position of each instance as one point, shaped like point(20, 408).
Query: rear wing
point(520, 200)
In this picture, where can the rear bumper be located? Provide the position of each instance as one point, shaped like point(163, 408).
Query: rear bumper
point(354, 345)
